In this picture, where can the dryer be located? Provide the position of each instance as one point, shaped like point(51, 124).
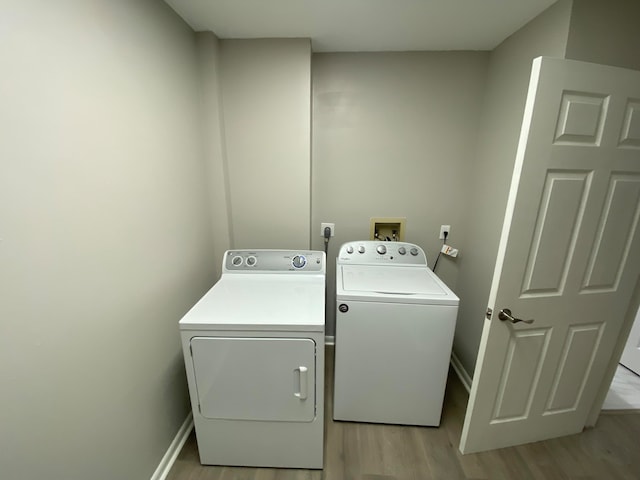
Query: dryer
point(254, 355)
point(395, 322)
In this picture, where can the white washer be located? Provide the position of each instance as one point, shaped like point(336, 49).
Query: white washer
point(254, 355)
point(395, 321)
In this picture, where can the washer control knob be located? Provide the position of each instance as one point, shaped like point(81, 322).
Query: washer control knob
point(299, 261)
point(414, 251)
point(381, 249)
point(349, 249)
point(251, 261)
point(361, 249)
point(236, 261)
point(402, 250)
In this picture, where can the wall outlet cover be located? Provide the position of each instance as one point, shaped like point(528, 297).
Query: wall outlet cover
point(332, 226)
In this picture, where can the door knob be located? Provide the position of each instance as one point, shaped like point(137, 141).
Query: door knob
point(505, 314)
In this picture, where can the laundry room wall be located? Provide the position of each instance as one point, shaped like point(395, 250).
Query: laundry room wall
point(492, 166)
point(394, 135)
point(266, 91)
point(217, 177)
point(605, 32)
point(105, 239)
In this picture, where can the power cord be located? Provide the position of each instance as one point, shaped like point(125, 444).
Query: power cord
point(445, 235)
point(327, 235)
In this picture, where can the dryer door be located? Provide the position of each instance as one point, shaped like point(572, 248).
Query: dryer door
point(270, 379)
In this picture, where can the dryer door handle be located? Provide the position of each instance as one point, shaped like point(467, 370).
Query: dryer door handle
point(301, 373)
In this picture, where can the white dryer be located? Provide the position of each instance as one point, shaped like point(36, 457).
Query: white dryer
point(395, 321)
point(254, 355)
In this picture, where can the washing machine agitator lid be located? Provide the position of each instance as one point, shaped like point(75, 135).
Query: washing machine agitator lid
point(390, 280)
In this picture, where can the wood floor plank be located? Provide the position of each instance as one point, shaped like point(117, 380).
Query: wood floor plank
point(456, 400)
point(541, 462)
point(360, 451)
point(439, 454)
point(334, 463)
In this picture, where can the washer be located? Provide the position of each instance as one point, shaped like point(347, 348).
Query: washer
point(395, 321)
point(254, 355)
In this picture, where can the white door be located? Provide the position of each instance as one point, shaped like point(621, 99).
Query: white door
point(569, 256)
point(631, 354)
point(268, 379)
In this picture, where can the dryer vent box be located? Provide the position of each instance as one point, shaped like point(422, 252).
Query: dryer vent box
point(387, 228)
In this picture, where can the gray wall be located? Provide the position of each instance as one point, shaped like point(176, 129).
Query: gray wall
point(105, 235)
point(394, 134)
point(266, 91)
point(134, 152)
point(213, 137)
point(507, 84)
point(605, 32)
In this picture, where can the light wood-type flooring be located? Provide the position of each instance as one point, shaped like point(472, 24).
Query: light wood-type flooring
point(358, 451)
point(624, 393)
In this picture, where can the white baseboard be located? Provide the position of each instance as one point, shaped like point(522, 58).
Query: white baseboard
point(464, 377)
point(174, 449)
point(329, 340)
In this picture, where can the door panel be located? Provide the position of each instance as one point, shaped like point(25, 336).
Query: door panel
point(569, 256)
point(269, 379)
point(581, 118)
point(560, 217)
point(616, 231)
point(521, 372)
point(630, 136)
point(574, 368)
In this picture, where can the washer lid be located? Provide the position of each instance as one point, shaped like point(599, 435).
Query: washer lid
point(383, 279)
point(390, 283)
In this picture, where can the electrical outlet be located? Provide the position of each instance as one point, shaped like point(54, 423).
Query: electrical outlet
point(444, 228)
point(332, 226)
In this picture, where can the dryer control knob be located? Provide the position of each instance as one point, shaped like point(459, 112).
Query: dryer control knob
point(251, 261)
point(381, 249)
point(414, 251)
point(236, 261)
point(402, 250)
point(361, 249)
point(349, 249)
point(299, 261)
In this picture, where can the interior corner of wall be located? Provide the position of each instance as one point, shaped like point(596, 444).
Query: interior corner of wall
point(461, 371)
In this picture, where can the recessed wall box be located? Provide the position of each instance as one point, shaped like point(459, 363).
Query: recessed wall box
point(387, 228)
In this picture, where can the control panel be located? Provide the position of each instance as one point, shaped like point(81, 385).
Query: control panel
point(376, 252)
point(266, 261)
